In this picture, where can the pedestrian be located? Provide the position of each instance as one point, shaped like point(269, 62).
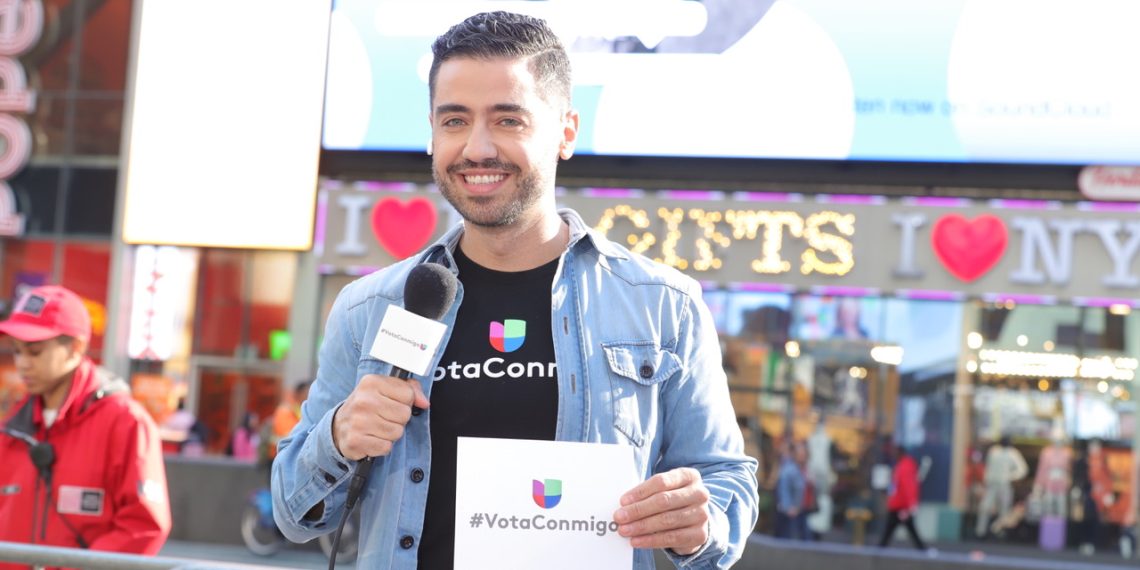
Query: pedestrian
point(902, 497)
point(791, 490)
point(285, 418)
point(244, 442)
point(617, 349)
point(82, 461)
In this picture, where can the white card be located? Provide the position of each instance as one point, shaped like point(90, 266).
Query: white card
point(407, 340)
point(541, 504)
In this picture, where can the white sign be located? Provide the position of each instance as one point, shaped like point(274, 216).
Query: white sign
point(541, 504)
point(407, 340)
point(1110, 182)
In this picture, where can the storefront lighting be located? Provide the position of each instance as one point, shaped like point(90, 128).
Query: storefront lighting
point(1009, 304)
point(887, 354)
point(972, 366)
point(1120, 309)
point(1102, 386)
point(792, 348)
point(1049, 346)
point(974, 340)
point(1043, 385)
point(1050, 365)
point(1022, 340)
point(857, 372)
point(1117, 392)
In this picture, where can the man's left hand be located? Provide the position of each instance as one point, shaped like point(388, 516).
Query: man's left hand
point(670, 510)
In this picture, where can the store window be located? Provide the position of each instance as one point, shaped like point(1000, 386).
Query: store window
point(1057, 382)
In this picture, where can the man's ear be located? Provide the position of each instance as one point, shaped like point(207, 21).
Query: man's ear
point(569, 134)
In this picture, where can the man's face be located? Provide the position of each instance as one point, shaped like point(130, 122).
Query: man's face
point(45, 365)
point(496, 140)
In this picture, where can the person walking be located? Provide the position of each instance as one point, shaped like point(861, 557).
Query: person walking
point(81, 461)
point(902, 497)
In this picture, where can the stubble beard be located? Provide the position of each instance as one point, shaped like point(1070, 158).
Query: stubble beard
point(491, 211)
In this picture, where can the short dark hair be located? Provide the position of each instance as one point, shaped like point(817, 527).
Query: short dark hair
point(499, 34)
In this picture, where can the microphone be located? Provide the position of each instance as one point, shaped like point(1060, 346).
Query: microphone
point(403, 338)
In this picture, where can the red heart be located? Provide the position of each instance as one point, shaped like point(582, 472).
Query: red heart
point(968, 249)
point(402, 229)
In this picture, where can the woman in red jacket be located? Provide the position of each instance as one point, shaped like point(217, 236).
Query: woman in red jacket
point(902, 498)
point(81, 461)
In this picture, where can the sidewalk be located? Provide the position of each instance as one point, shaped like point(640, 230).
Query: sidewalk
point(1106, 554)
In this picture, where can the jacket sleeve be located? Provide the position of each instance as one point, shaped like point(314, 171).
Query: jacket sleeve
point(138, 477)
point(696, 403)
point(908, 485)
point(310, 476)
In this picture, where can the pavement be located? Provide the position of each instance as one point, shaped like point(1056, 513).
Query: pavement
point(1018, 554)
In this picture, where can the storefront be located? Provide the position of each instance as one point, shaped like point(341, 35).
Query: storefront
point(946, 323)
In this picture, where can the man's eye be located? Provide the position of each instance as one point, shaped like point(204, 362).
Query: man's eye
point(510, 122)
point(452, 122)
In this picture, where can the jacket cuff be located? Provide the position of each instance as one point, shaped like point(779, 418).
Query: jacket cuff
point(710, 552)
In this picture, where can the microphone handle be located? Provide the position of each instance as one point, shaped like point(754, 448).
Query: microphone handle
point(364, 466)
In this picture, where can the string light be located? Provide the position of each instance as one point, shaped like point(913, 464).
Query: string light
point(640, 220)
point(673, 218)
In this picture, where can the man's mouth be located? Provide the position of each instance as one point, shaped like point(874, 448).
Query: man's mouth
point(484, 178)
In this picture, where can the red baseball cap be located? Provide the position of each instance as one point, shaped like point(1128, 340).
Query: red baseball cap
point(47, 312)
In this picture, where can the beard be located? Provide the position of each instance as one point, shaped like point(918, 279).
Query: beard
point(496, 211)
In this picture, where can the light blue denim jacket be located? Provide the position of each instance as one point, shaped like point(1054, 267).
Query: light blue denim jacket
point(613, 313)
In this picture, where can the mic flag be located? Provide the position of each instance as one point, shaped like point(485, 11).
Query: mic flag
point(409, 337)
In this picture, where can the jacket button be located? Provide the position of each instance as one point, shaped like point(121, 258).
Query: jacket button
point(416, 411)
point(417, 475)
point(407, 542)
point(646, 371)
point(330, 478)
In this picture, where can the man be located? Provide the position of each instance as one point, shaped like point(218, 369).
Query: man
point(635, 350)
point(902, 498)
point(103, 484)
point(791, 487)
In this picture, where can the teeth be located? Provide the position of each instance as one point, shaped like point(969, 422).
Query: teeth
point(484, 178)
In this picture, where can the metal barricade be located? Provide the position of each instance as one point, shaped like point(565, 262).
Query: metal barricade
point(38, 555)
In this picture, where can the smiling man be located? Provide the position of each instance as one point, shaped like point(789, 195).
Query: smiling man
point(556, 334)
point(82, 461)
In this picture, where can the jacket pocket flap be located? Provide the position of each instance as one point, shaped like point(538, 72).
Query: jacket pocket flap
point(642, 362)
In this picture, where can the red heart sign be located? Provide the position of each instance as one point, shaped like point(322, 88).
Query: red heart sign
point(402, 229)
point(968, 249)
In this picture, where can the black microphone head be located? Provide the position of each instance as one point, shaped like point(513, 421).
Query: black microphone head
point(430, 291)
point(43, 456)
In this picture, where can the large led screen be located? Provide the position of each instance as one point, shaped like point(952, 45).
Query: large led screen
point(988, 81)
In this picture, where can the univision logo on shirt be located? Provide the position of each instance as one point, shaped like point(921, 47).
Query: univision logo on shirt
point(547, 494)
point(509, 335)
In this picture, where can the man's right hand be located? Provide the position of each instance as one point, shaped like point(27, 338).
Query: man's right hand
point(373, 417)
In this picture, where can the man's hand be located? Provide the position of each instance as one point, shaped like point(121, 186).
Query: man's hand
point(373, 417)
point(670, 510)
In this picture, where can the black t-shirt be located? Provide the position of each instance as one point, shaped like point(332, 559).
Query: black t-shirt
point(497, 378)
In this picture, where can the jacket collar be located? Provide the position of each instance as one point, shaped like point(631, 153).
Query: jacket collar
point(579, 232)
point(89, 384)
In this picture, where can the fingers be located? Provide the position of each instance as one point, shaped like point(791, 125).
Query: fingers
point(372, 418)
point(661, 482)
point(670, 510)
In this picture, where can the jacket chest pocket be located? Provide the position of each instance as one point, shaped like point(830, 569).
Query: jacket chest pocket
point(636, 372)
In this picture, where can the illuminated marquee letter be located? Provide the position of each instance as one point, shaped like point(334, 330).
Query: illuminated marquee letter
point(673, 219)
point(707, 221)
point(640, 220)
point(746, 223)
point(824, 242)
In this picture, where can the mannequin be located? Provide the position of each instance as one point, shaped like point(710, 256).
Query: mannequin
point(1054, 475)
point(822, 477)
point(1004, 465)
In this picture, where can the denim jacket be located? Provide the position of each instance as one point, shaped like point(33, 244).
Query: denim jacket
point(638, 362)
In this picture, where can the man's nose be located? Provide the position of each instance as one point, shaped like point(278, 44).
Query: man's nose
point(480, 145)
